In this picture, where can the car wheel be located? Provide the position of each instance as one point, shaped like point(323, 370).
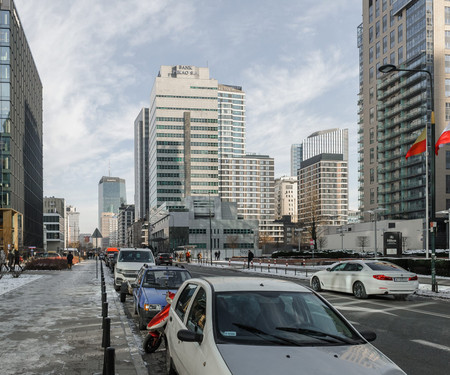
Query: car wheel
point(123, 297)
point(151, 344)
point(170, 370)
point(359, 291)
point(135, 307)
point(400, 297)
point(315, 283)
point(141, 322)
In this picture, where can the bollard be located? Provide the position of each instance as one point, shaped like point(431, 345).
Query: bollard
point(260, 264)
point(105, 309)
point(229, 262)
point(106, 339)
point(104, 297)
point(268, 267)
point(109, 361)
point(285, 271)
point(252, 263)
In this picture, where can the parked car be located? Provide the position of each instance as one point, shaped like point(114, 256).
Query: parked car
point(237, 325)
point(366, 277)
point(150, 289)
point(164, 258)
point(129, 262)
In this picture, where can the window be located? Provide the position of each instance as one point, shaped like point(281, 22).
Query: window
point(447, 111)
point(447, 159)
point(371, 34)
point(447, 39)
point(371, 74)
point(392, 36)
point(392, 58)
point(370, 55)
point(400, 33)
point(197, 315)
point(371, 95)
point(377, 29)
point(447, 87)
point(447, 63)
point(371, 135)
point(447, 15)
point(183, 301)
point(384, 23)
point(372, 155)
point(447, 184)
point(400, 55)
point(372, 175)
point(377, 50)
point(385, 44)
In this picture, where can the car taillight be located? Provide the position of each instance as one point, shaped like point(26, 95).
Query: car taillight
point(382, 277)
point(413, 278)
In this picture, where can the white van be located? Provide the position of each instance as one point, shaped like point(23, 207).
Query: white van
point(129, 262)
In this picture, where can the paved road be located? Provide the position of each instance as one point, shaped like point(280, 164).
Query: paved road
point(415, 333)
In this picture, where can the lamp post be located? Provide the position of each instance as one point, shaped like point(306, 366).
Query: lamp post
point(388, 68)
point(299, 235)
point(210, 230)
point(374, 212)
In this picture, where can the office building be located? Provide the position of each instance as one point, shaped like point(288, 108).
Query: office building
point(54, 220)
point(109, 229)
point(111, 195)
point(296, 158)
point(141, 171)
point(125, 220)
point(286, 189)
point(72, 227)
point(249, 181)
point(394, 108)
point(21, 175)
point(183, 135)
point(323, 179)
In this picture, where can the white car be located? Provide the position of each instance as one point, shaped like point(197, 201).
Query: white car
point(366, 277)
point(129, 262)
point(240, 325)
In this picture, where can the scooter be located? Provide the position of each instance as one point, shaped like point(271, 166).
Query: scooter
point(156, 327)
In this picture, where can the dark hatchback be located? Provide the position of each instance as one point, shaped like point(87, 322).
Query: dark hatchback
point(164, 258)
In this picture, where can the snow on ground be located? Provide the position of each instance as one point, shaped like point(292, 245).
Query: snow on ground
point(9, 283)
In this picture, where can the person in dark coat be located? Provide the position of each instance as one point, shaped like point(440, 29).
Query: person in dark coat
point(250, 257)
point(69, 260)
point(16, 258)
point(10, 259)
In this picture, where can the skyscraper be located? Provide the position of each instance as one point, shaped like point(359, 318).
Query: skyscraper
point(296, 158)
point(141, 185)
point(21, 175)
point(323, 179)
point(183, 136)
point(111, 195)
point(394, 108)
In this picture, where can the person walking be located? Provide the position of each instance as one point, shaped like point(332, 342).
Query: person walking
point(69, 260)
point(17, 259)
point(250, 257)
point(10, 259)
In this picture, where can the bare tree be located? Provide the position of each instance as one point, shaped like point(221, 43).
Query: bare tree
point(362, 242)
point(264, 239)
point(322, 242)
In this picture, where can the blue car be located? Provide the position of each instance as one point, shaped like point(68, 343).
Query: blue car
point(150, 289)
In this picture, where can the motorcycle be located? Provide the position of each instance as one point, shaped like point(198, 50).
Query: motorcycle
point(156, 327)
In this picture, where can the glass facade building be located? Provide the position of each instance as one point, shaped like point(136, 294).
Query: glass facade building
point(21, 151)
point(141, 171)
point(395, 108)
point(111, 195)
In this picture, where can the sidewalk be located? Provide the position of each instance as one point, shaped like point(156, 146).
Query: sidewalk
point(51, 324)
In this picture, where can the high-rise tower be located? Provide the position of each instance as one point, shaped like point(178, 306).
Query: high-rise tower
point(21, 174)
point(394, 108)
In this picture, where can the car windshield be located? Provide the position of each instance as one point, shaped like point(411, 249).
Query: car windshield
point(165, 279)
point(279, 318)
point(136, 256)
point(384, 266)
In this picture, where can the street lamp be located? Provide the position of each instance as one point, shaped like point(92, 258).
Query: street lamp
point(299, 230)
point(388, 68)
point(374, 212)
point(448, 222)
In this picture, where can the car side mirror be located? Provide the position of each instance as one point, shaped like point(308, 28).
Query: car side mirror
point(189, 336)
point(368, 335)
point(328, 269)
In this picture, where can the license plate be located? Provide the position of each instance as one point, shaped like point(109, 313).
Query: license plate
point(403, 279)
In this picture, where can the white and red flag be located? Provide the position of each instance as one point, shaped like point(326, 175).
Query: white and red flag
point(443, 140)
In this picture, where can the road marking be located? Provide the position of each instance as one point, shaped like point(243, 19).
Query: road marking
point(362, 309)
point(432, 344)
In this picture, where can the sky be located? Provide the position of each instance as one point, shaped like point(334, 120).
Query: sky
point(296, 60)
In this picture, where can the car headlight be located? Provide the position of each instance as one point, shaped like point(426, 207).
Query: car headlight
point(152, 307)
point(119, 270)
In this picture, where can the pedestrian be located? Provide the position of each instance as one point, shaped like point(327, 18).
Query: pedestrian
point(69, 260)
point(218, 255)
point(250, 257)
point(17, 259)
point(199, 257)
point(10, 259)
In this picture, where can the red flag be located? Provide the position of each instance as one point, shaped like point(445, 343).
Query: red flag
point(443, 139)
point(419, 146)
